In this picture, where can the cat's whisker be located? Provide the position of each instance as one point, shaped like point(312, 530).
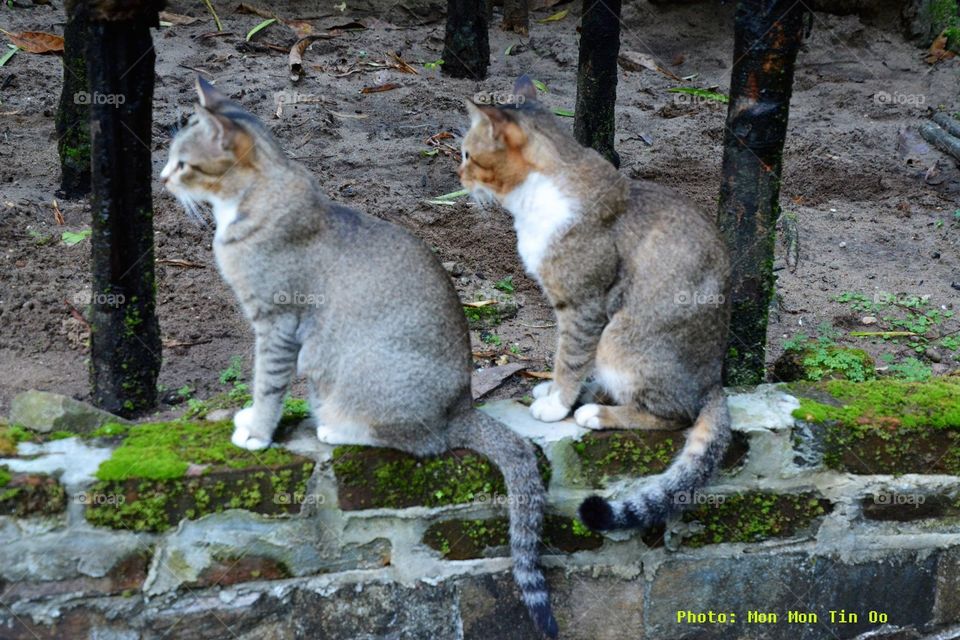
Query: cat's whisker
point(191, 207)
point(482, 196)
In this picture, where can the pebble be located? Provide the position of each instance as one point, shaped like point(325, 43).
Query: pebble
point(219, 414)
point(868, 320)
point(843, 245)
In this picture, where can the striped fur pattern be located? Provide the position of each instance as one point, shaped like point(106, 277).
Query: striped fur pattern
point(638, 279)
point(319, 283)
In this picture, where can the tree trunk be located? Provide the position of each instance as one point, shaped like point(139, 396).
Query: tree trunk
point(767, 36)
point(466, 50)
point(73, 112)
point(125, 336)
point(516, 16)
point(594, 123)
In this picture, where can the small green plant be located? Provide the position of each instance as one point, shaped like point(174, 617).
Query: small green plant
point(823, 358)
point(71, 238)
point(506, 285)
point(911, 370)
point(233, 372)
point(185, 391)
point(433, 66)
point(515, 349)
point(491, 339)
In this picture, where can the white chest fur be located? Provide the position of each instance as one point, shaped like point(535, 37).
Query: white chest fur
point(541, 212)
point(224, 212)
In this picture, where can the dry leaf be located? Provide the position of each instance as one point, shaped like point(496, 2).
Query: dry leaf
point(488, 379)
point(938, 50)
point(635, 61)
point(176, 18)
point(401, 64)
point(300, 27)
point(388, 86)
point(557, 17)
point(57, 214)
point(539, 375)
point(479, 303)
point(36, 41)
point(177, 262)
point(257, 11)
point(295, 59)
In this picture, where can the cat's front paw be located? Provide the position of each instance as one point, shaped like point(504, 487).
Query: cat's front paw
point(242, 422)
point(549, 408)
point(543, 389)
point(588, 416)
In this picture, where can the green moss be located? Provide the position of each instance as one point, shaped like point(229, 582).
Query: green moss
point(625, 453)
point(165, 450)
point(465, 539)
point(5, 476)
point(753, 517)
point(369, 477)
point(886, 426)
point(935, 403)
point(111, 429)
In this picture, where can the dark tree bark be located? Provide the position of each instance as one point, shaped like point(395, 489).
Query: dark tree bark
point(125, 336)
point(466, 49)
point(516, 16)
point(594, 123)
point(73, 112)
point(767, 36)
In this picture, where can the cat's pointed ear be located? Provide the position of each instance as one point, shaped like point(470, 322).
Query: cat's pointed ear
point(475, 111)
point(525, 88)
point(208, 96)
point(223, 130)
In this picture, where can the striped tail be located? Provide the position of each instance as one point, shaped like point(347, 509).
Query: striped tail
point(670, 492)
point(514, 456)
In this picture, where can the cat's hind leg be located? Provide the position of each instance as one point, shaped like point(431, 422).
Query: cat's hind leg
point(596, 416)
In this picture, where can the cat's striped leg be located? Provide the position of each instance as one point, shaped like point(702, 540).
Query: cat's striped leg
point(275, 360)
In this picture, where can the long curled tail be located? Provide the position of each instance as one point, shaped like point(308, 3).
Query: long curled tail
point(514, 456)
point(671, 491)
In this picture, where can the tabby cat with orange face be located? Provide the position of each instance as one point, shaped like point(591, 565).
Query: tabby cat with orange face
point(638, 279)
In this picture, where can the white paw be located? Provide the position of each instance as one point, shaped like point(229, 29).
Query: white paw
point(543, 389)
point(549, 408)
point(327, 435)
point(588, 416)
point(241, 432)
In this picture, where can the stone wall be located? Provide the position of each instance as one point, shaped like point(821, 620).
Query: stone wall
point(835, 516)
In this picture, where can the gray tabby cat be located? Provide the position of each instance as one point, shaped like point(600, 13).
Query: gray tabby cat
point(637, 277)
point(327, 290)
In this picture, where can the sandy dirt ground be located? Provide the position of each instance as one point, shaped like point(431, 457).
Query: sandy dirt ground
point(877, 209)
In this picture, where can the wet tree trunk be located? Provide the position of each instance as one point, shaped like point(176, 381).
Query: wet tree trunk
point(767, 36)
point(466, 49)
point(73, 112)
point(516, 16)
point(125, 336)
point(594, 124)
